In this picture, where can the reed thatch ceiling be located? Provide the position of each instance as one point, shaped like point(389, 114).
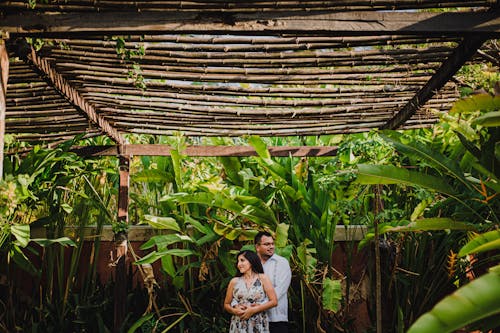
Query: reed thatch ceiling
point(232, 68)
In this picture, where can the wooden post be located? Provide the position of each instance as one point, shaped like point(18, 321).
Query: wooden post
point(4, 75)
point(121, 240)
point(378, 274)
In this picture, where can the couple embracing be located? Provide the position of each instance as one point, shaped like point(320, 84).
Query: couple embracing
point(257, 296)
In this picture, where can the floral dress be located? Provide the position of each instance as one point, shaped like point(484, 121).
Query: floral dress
point(257, 323)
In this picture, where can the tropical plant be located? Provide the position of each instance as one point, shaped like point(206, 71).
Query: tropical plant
point(210, 214)
point(51, 188)
point(465, 175)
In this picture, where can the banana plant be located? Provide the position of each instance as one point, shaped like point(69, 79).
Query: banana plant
point(475, 301)
point(467, 172)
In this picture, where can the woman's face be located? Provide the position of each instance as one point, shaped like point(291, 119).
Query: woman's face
point(243, 264)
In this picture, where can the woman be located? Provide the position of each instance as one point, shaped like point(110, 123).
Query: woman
point(249, 295)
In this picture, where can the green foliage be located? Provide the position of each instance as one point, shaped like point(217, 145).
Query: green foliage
point(466, 171)
point(332, 295)
point(50, 188)
point(205, 209)
point(478, 76)
point(131, 56)
point(474, 301)
point(487, 241)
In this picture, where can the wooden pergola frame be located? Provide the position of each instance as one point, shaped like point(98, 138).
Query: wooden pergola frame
point(472, 29)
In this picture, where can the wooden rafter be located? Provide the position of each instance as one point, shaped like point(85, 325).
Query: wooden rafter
point(4, 75)
point(450, 66)
point(337, 23)
point(204, 151)
point(44, 67)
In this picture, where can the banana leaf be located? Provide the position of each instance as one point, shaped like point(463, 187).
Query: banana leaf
point(331, 295)
point(254, 208)
point(484, 102)
point(389, 174)
point(153, 256)
point(483, 242)
point(428, 224)
point(435, 158)
point(158, 222)
point(474, 301)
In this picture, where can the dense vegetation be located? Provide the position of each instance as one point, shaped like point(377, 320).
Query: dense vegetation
point(427, 192)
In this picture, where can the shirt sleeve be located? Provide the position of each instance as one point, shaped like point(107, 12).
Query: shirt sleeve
point(283, 277)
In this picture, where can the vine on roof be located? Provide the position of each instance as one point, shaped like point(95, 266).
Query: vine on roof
point(130, 57)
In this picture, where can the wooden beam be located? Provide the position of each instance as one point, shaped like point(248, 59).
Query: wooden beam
point(123, 190)
point(450, 66)
point(143, 233)
point(53, 78)
point(338, 23)
point(204, 151)
point(121, 243)
point(4, 75)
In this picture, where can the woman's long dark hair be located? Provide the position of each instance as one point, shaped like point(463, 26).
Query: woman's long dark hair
point(253, 259)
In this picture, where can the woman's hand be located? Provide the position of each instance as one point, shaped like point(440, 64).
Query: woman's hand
point(239, 310)
point(248, 311)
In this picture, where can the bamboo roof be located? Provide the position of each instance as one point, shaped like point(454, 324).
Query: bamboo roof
point(234, 68)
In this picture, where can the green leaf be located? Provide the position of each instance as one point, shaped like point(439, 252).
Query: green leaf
point(432, 224)
point(167, 263)
point(285, 252)
point(64, 241)
point(22, 233)
point(67, 208)
point(389, 174)
point(282, 234)
point(162, 241)
point(438, 160)
point(483, 102)
point(260, 147)
point(250, 207)
point(265, 158)
point(205, 229)
point(232, 168)
point(152, 176)
point(158, 222)
point(153, 256)
point(483, 242)
point(22, 261)
point(474, 301)
point(419, 210)
point(139, 322)
point(331, 295)
point(428, 224)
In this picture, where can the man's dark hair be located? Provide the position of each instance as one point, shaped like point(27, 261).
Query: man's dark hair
point(259, 235)
point(253, 259)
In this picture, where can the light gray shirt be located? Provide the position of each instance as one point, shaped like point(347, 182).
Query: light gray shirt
point(278, 270)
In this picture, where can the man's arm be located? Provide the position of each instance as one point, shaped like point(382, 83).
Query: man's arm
point(283, 277)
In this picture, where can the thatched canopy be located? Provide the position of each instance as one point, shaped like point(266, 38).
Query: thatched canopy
point(232, 68)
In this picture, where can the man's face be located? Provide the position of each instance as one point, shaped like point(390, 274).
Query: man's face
point(265, 248)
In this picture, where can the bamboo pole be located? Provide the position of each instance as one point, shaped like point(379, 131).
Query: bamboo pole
point(240, 6)
point(4, 75)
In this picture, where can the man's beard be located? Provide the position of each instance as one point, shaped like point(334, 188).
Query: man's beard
point(266, 256)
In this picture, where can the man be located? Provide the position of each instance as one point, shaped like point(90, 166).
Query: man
point(278, 270)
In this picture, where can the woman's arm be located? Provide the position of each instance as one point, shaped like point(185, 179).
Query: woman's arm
point(236, 309)
point(229, 297)
point(271, 295)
